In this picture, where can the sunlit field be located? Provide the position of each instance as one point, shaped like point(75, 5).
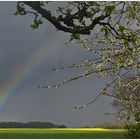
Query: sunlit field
point(62, 133)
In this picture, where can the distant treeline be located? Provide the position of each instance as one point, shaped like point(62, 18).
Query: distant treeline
point(30, 125)
point(108, 125)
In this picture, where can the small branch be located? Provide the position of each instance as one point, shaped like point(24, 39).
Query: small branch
point(121, 14)
point(33, 13)
point(98, 60)
point(135, 87)
point(77, 77)
point(111, 28)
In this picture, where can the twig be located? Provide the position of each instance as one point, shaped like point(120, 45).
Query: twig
point(76, 78)
point(119, 15)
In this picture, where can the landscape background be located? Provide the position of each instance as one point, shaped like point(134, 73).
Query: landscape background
point(27, 57)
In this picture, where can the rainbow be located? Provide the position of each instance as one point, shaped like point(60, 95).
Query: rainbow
point(9, 87)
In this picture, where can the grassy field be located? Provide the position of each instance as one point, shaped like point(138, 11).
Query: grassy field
point(61, 133)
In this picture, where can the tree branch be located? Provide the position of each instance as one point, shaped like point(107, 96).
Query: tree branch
point(77, 77)
point(57, 21)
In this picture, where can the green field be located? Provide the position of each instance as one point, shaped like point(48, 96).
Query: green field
point(61, 133)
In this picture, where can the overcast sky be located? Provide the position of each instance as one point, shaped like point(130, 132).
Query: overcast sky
point(27, 57)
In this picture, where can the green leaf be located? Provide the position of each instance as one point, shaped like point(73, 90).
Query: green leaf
point(121, 28)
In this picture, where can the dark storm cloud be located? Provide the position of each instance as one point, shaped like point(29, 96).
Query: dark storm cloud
point(29, 103)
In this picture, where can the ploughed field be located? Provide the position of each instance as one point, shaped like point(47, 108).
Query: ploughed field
point(60, 133)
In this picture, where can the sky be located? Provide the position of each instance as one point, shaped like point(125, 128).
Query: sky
point(27, 57)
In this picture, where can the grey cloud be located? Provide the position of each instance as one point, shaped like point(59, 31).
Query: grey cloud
point(28, 103)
